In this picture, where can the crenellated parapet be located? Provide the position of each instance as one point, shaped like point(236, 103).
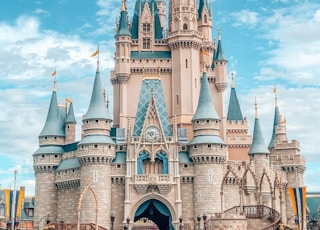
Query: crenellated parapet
point(286, 145)
point(185, 44)
point(209, 159)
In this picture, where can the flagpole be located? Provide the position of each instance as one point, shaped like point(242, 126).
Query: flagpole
point(13, 211)
point(298, 201)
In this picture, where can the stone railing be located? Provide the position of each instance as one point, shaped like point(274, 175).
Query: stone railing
point(258, 212)
point(63, 226)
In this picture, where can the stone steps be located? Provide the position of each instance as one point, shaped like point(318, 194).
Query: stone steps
point(256, 224)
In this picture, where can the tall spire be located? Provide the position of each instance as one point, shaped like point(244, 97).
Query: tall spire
point(205, 109)
point(97, 108)
point(53, 125)
point(276, 121)
point(258, 146)
point(234, 111)
point(123, 28)
point(220, 53)
point(70, 117)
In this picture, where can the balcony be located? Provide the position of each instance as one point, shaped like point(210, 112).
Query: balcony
point(160, 182)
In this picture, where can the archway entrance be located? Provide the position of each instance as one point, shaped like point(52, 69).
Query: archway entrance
point(157, 212)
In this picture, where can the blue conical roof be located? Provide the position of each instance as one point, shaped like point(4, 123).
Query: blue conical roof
point(205, 109)
point(97, 108)
point(234, 111)
point(275, 124)
point(258, 146)
point(123, 24)
point(53, 125)
point(220, 53)
point(70, 117)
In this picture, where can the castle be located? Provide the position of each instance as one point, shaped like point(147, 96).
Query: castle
point(170, 152)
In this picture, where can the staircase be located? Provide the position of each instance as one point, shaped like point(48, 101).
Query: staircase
point(259, 216)
point(255, 224)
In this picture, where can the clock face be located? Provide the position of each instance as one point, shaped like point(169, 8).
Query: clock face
point(152, 133)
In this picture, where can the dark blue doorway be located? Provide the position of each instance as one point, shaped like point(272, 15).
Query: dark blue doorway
point(156, 211)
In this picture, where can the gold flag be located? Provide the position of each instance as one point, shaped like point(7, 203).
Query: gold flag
point(95, 53)
point(275, 90)
point(54, 73)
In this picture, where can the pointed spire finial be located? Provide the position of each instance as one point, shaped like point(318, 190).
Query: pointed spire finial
point(275, 96)
point(219, 34)
point(256, 106)
point(232, 79)
point(123, 5)
point(54, 79)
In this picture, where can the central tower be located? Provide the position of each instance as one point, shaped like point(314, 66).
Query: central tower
point(185, 42)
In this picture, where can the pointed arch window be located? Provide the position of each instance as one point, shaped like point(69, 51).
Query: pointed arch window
point(142, 157)
point(185, 26)
point(163, 158)
point(205, 18)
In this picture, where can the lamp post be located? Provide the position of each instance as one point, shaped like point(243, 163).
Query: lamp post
point(199, 219)
point(204, 217)
point(47, 220)
point(181, 224)
point(126, 227)
point(112, 218)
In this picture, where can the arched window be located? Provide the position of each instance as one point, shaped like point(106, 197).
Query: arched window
point(142, 156)
point(205, 18)
point(177, 99)
point(186, 62)
point(185, 26)
point(163, 157)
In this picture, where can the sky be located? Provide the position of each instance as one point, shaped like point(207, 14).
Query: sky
point(267, 43)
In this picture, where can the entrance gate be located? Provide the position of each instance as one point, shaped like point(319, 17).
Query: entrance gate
point(156, 211)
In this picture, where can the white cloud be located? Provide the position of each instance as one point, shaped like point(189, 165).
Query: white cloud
point(245, 18)
point(28, 56)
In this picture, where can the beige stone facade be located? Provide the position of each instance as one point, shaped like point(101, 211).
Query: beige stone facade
point(105, 174)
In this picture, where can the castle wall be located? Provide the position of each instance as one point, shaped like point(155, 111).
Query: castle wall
point(45, 198)
point(67, 205)
point(207, 187)
point(97, 177)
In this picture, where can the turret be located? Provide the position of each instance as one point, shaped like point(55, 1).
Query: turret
point(234, 111)
point(161, 4)
point(53, 131)
point(121, 73)
point(208, 152)
point(220, 65)
point(205, 20)
point(279, 125)
point(97, 120)
point(258, 153)
point(237, 128)
point(96, 150)
point(70, 125)
point(47, 158)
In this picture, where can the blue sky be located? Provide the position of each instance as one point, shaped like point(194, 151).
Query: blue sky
point(267, 43)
